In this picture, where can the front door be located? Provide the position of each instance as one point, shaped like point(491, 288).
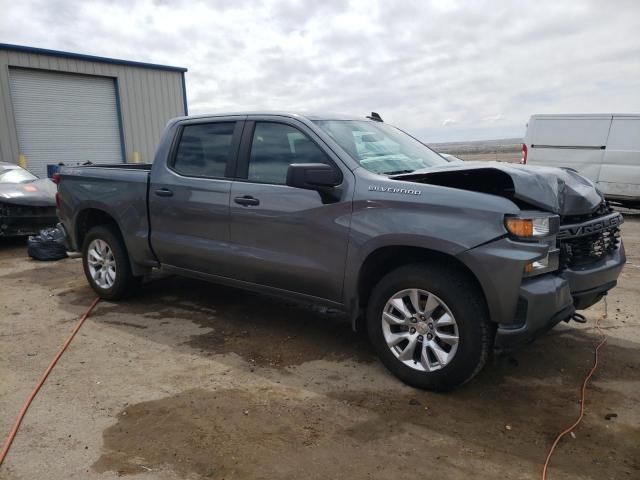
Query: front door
point(189, 197)
point(285, 237)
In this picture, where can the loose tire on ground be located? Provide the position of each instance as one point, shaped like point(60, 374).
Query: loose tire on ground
point(110, 287)
point(456, 296)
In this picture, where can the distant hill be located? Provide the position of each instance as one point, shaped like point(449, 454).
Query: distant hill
point(503, 150)
point(480, 146)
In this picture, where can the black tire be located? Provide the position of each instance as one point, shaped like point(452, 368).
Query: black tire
point(465, 302)
point(125, 283)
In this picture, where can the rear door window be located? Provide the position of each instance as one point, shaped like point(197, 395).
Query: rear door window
point(204, 149)
point(274, 147)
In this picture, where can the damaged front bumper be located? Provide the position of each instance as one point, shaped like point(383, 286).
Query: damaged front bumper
point(542, 304)
point(18, 221)
point(546, 301)
point(525, 308)
point(589, 283)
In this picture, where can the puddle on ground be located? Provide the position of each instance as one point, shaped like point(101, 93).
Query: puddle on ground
point(268, 433)
point(265, 331)
point(55, 275)
point(210, 433)
point(124, 324)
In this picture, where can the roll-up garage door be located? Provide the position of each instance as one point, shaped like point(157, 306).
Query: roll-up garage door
point(65, 118)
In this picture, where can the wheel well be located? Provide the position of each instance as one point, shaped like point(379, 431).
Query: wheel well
point(89, 218)
point(385, 259)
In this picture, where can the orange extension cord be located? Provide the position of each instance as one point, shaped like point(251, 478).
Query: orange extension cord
point(27, 403)
point(603, 340)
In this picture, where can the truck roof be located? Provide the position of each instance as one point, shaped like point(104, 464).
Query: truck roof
point(289, 114)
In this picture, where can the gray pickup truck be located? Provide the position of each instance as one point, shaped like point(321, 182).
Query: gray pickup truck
point(439, 262)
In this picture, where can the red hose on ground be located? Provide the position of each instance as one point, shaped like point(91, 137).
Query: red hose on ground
point(27, 403)
point(603, 340)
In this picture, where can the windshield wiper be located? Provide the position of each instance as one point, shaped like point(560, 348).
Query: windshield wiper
point(398, 172)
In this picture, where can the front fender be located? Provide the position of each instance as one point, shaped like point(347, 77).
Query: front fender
point(499, 268)
point(448, 229)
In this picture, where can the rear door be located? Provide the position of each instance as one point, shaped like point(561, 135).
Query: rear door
point(620, 172)
point(284, 237)
point(189, 196)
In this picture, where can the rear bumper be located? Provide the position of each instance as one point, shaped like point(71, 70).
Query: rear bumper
point(549, 299)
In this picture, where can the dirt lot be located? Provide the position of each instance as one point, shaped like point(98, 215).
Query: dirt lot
point(191, 380)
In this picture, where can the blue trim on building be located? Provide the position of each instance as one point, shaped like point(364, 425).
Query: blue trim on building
point(90, 58)
point(184, 95)
point(118, 108)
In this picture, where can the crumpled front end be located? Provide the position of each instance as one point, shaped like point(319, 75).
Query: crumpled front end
point(22, 220)
point(591, 253)
point(549, 189)
point(531, 283)
point(590, 256)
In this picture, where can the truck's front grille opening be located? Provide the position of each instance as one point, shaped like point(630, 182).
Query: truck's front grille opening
point(585, 249)
point(8, 210)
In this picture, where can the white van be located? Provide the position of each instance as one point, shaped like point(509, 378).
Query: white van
point(602, 147)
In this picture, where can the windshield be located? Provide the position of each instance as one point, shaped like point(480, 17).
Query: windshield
point(380, 148)
point(16, 175)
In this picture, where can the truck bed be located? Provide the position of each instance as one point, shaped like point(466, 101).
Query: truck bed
point(121, 191)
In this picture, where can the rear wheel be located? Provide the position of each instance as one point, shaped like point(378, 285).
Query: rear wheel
point(106, 264)
point(429, 326)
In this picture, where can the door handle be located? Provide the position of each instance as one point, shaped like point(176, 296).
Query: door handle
point(164, 192)
point(247, 200)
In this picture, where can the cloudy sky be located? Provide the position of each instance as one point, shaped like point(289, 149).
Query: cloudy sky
point(442, 69)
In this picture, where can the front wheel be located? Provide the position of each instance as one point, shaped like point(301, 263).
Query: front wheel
point(429, 326)
point(106, 264)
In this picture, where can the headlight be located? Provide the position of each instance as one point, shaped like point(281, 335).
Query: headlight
point(539, 227)
point(532, 226)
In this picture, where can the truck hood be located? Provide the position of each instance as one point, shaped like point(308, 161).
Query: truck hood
point(39, 193)
point(556, 190)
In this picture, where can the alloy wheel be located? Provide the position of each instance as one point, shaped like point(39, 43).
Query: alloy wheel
point(101, 263)
point(420, 330)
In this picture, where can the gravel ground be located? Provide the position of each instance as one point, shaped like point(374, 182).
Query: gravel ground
point(192, 380)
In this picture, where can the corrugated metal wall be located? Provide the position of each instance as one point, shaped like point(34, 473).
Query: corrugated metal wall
point(148, 99)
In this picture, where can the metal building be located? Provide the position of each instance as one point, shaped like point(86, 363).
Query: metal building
point(60, 107)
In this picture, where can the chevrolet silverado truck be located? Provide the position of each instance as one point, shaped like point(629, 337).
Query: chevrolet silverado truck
point(440, 263)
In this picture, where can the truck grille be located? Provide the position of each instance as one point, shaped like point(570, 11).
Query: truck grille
point(9, 210)
point(586, 239)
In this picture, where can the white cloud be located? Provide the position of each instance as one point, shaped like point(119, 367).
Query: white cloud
point(415, 62)
point(493, 118)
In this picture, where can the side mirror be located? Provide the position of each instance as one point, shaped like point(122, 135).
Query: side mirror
point(313, 176)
